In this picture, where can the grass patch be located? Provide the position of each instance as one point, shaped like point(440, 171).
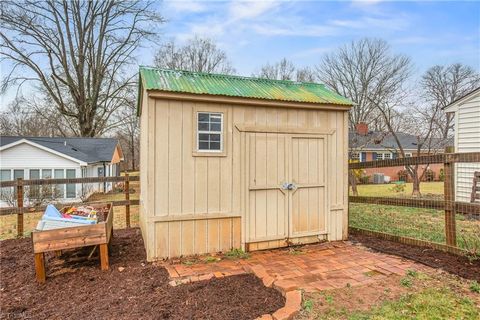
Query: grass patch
point(418, 223)
point(432, 303)
point(475, 287)
point(236, 254)
point(428, 189)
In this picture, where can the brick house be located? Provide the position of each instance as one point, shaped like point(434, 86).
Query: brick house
point(366, 145)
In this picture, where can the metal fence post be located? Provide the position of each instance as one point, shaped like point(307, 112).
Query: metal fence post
point(449, 194)
point(20, 205)
point(127, 198)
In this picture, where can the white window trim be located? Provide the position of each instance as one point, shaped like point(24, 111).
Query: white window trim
point(221, 132)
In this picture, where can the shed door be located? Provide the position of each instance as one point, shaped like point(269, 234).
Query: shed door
point(267, 217)
point(307, 199)
point(277, 211)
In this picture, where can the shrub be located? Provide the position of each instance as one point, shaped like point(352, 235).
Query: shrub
point(475, 287)
point(429, 175)
point(441, 175)
point(364, 179)
point(402, 175)
point(398, 187)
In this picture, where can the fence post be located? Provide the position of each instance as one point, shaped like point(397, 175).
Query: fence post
point(127, 198)
point(449, 195)
point(19, 205)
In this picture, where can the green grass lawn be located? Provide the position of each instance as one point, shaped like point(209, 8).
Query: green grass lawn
point(428, 189)
point(419, 223)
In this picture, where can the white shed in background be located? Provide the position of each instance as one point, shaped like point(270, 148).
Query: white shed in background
point(467, 139)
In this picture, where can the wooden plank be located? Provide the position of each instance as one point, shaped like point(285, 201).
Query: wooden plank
point(449, 196)
point(19, 205)
point(201, 241)
point(67, 233)
point(32, 182)
point(197, 216)
point(188, 162)
point(175, 238)
point(213, 236)
point(174, 152)
point(213, 185)
point(188, 237)
point(283, 129)
point(40, 267)
point(14, 210)
point(69, 243)
point(430, 159)
point(127, 198)
point(104, 264)
point(160, 166)
point(159, 239)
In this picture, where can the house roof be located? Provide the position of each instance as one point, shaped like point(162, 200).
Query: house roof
point(452, 107)
point(238, 86)
point(376, 140)
point(89, 150)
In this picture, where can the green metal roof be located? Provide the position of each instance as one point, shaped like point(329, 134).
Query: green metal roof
point(237, 86)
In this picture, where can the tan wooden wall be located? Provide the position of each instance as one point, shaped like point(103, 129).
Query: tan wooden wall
point(194, 204)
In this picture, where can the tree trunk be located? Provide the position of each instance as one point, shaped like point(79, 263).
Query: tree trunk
point(353, 183)
point(416, 185)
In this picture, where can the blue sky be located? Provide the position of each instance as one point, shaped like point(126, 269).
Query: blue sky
point(256, 32)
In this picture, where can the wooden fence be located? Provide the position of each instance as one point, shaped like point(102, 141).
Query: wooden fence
point(20, 183)
point(448, 204)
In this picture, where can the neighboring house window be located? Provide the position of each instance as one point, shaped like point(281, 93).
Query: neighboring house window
point(59, 188)
point(18, 174)
point(5, 175)
point(100, 172)
point(209, 131)
point(355, 156)
point(383, 155)
point(47, 174)
point(408, 155)
point(34, 190)
point(71, 187)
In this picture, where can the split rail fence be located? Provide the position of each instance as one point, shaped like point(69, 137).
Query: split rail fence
point(20, 209)
point(388, 225)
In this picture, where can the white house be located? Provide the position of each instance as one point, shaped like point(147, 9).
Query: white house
point(58, 157)
point(467, 139)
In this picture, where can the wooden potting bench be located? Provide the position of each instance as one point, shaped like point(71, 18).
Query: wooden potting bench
point(73, 237)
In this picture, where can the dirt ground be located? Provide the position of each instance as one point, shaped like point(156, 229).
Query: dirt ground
point(451, 263)
point(76, 288)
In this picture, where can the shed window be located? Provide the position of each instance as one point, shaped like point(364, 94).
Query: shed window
point(210, 132)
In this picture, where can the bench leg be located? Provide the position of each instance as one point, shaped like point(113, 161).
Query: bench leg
point(104, 256)
point(40, 267)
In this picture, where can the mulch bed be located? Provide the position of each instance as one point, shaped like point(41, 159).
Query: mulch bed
point(451, 263)
point(77, 288)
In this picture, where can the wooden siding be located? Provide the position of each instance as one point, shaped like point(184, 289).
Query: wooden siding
point(467, 139)
point(177, 183)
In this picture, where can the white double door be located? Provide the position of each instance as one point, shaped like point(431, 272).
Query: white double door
point(286, 183)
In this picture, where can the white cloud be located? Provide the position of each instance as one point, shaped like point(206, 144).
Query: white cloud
point(185, 6)
point(240, 10)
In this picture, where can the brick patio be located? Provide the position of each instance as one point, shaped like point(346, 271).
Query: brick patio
point(311, 268)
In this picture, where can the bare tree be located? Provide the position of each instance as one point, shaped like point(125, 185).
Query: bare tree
point(22, 118)
point(442, 85)
point(77, 51)
point(285, 70)
point(128, 134)
point(368, 73)
point(198, 54)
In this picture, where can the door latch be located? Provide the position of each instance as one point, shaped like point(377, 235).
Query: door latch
point(288, 186)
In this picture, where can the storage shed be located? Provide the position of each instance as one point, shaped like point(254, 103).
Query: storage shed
point(236, 162)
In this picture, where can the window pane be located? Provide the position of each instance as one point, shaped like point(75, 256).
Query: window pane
point(203, 136)
point(214, 145)
point(215, 137)
point(59, 189)
point(71, 188)
point(203, 117)
point(47, 173)
point(208, 123)
point(215, 127)
point(203, 126)
point(216, 118)
point(203, 145)
point(34, 174)
point(5, 175)
point(18, 174)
